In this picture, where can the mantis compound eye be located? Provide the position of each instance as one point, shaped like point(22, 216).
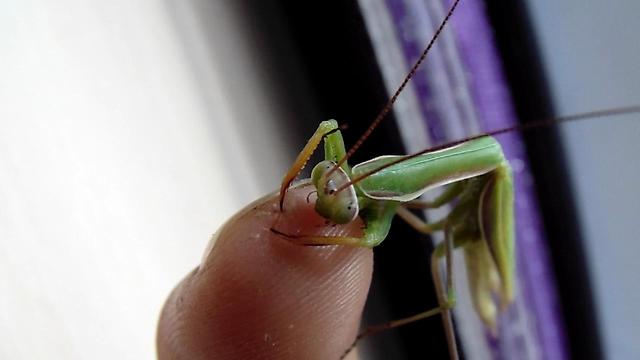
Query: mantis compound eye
point(340, 207)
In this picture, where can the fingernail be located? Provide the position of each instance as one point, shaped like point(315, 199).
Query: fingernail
point(209, 248)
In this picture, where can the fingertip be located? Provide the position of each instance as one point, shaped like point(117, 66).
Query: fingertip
point(258, 296)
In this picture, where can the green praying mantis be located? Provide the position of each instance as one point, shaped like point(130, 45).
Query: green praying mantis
point(479, 185)
point(481, 223)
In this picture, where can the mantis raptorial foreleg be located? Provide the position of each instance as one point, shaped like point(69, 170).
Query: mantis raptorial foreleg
point(326, 128)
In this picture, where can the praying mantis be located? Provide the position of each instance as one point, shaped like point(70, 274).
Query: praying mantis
point(481, 222)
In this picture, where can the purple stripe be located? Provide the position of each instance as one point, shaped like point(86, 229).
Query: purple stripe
point(495, 110)
point(403, 21)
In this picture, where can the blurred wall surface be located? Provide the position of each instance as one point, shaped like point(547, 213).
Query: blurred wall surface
point(591, 53)
point(122, 149)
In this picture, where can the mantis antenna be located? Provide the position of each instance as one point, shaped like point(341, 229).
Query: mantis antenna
point(387, 107)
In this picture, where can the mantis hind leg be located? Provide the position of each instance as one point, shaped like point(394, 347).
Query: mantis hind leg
point(445, 303)
point(446, 297)
point(445, 293)
point(374, 329)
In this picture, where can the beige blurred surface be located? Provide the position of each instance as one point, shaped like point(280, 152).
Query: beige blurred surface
point(118, 159)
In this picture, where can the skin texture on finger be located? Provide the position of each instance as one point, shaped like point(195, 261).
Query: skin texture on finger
point(258, 296)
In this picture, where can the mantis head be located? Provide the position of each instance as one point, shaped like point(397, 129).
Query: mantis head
point(340, 207)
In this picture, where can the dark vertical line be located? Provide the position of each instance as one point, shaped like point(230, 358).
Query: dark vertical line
point(530, 92)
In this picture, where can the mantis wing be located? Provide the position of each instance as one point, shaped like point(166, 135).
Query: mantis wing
point(407, 180)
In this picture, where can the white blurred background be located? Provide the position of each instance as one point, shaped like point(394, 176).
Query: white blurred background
point(127, 137)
